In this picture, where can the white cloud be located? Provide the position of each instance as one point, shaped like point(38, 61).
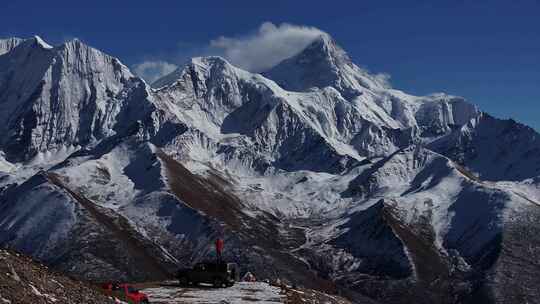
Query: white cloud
point(384, 78)
point(153, 70)
point(255, 52)
point(266, 47)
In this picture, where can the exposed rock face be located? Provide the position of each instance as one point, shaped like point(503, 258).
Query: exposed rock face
point(314, 171)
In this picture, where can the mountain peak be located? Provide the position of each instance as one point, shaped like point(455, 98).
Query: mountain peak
point(323, 63)
point(72, 86)
point(209, 61)
point(40, 42)
point(205, 64)
point(75, 42)
point(325, 47)
point(6, 45)
point(76, 50)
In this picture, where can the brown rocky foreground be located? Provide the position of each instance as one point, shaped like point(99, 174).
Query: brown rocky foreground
point(24, 281)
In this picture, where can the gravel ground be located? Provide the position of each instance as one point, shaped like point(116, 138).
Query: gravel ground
point(240, 293)
point(23, 281)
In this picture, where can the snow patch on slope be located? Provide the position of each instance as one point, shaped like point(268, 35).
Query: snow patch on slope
point(36, 218)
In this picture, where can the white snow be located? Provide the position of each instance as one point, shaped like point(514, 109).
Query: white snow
point(33, 210)
point(42, 43)
point(5, 166)
point(240, 293)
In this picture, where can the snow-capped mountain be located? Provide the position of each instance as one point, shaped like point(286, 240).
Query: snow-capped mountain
point(355, 186)
point(63, 97)
point(324, 64)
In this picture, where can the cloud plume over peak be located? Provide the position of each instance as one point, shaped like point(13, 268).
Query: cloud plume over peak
point(255, 52)
point(153, 70)
point(266, 47)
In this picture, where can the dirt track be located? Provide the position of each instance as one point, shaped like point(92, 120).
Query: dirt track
point(240, 293)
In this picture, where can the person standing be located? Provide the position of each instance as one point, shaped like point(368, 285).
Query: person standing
point(219, 249)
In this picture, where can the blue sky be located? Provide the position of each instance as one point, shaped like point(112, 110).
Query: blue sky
point(486, 51)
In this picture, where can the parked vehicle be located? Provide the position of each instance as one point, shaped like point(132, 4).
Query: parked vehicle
point(219, 274)
point(126, 293)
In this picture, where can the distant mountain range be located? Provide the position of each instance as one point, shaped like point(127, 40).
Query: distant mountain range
point(314, 171)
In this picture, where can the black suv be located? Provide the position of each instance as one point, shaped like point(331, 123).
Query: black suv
point(217, 274)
